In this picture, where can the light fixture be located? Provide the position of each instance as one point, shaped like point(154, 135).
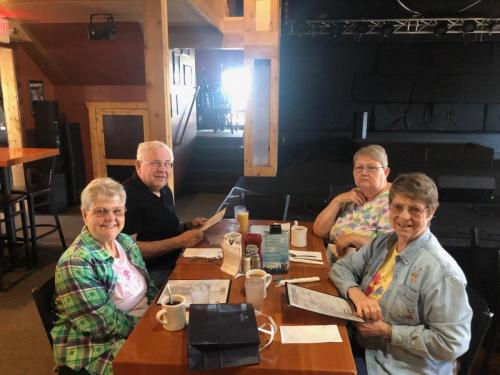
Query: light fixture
point(387, 28)
point(101, 27)
point(441, 28)
point(494, 26)
point(361, 28)
point(469, 26)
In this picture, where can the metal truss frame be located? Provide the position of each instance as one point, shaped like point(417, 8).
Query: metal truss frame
point(397, 26)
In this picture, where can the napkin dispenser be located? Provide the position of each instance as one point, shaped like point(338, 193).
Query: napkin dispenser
point(222, 335)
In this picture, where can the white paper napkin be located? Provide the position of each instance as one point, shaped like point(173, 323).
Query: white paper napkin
point(206, 253)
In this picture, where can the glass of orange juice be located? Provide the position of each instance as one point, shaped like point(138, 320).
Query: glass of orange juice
point(242, 218)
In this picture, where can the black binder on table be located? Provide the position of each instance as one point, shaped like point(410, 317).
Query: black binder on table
point(222, 335)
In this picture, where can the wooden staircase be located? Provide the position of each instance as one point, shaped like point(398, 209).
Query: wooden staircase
point(216, 164)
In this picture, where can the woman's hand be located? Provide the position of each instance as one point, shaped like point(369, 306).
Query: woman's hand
point(377, 328)
point(326, 218)
point(352, 196)
point(366, 307)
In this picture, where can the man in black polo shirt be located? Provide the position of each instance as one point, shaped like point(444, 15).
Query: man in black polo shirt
point(151, 214)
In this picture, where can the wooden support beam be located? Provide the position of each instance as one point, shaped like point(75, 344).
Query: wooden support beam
point(11, 107)
point(261, 33)
point(156, 57)
point(213, 10)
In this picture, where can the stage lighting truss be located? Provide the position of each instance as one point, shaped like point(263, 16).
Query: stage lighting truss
point(399, 26)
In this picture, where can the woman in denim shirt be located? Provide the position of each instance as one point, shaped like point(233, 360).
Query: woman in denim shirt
point(408, 288)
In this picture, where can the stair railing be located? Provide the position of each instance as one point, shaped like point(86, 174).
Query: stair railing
point(186, 119)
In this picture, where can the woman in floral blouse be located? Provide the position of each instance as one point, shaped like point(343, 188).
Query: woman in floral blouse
point(352, 219)
point(102, 286)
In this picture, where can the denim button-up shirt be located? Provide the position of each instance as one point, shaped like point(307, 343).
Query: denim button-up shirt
point(426, 304)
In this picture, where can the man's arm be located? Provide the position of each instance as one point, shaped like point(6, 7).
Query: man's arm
point(150, 249)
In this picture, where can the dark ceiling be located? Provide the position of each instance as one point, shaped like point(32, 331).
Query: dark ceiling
point(358, 9)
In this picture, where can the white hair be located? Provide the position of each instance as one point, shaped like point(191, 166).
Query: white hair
point(144, 147)
point(103, 186)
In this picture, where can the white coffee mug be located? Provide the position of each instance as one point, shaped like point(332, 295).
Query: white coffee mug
point(172, 316)
point(260, 274)
point(298, 236)
point(233, 237)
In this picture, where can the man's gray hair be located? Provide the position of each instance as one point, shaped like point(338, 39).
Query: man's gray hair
point(144, 147)
point(102, 187)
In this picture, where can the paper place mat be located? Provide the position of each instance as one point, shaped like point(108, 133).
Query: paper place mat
point(310, 334)
point(199, 252)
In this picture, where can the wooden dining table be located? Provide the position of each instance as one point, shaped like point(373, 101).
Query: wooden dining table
point(150, 349)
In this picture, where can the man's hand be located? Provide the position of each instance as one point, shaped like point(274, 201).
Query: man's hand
point(377, 328)
point(365, 307)
point(197, 222)
point(190, 238)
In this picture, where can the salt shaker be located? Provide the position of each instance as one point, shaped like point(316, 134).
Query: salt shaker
point(247, 263)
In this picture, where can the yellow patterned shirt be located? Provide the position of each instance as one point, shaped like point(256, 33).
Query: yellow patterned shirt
point(383, 277)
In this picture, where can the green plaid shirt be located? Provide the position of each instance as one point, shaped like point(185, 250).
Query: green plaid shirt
point(89, 329)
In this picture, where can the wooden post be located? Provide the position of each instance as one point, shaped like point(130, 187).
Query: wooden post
point(261, 42)
point(11, 107)
point(156, 57)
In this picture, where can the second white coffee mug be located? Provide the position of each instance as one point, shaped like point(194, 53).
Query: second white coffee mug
point(298, 236)
point(261, 274)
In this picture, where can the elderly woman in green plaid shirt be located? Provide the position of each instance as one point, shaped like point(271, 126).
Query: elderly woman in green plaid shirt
point(102, 286)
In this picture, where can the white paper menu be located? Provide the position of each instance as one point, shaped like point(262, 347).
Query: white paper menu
point(321, 303)
point(213, 220)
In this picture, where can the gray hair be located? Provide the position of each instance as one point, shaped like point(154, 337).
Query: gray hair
point(99, 187)
point(375, 152)
point(150, 145)
point(416, 186)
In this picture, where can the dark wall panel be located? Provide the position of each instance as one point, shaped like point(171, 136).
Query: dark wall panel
point(395, 59)
point(382, 88)
point(401, 116)
point(458, 117)
point(492, 122)
point(435, 88)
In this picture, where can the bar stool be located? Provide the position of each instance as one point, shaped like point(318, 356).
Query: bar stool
point(38, 176)
point(12, 205)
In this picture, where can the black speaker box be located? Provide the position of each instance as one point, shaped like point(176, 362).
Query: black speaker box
point(72, 153)
point(466, 188)
point(46, 114)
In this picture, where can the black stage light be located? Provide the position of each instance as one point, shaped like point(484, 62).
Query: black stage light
point(101, 27)
point(469, 26)
point(493, 26)
point(441, 28)
point(387, 28)
point(361, 28)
